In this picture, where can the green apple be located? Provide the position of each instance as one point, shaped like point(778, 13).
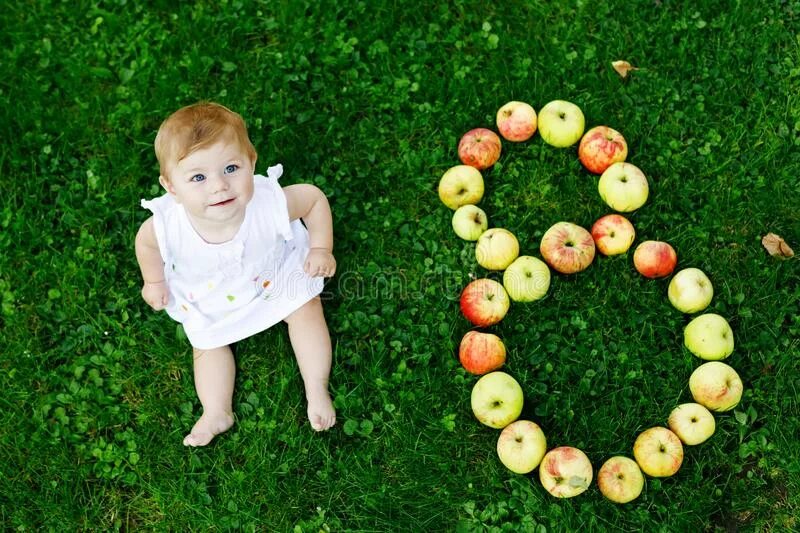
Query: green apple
point(497, 400)
point(461, 185)
point(620, 479)
point(521, 446)
point(496, 249)
point(658, 451)
point(717, 386)
point(565, 472)
point(623, 187)
point(469, 222)
point(526, 279)
point(561, 123)
point(709, 337)
point(690, 290)
point(692, 423)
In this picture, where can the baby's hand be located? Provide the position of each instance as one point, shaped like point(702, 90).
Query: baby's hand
point(320, 262)
point(156, 294)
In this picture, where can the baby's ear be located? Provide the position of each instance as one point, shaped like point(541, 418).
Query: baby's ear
point(166, 184)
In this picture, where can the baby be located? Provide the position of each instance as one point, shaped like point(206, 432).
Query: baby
point(226, 255)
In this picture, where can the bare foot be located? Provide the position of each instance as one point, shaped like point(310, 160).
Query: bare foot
point(321, 413)
point(208, 426)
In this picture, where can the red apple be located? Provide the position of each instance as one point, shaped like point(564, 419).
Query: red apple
point(600, 147)
point(480, 353)
point(613, 234)
point(479, 148)
point(655, 259)
point(567, 247)
point(484, 302)
point(516, 121)
point(565, 472)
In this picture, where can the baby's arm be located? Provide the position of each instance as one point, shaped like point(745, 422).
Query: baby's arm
point(309, 203)
point(154, 290)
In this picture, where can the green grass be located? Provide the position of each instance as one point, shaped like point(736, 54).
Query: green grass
point(367, 100)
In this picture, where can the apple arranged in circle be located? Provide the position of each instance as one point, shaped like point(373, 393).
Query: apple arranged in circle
point(469, 222)
point(690, 290)
point(480, 353)
point(613, 234)
point(521, 446)
point(565, 472)
point(497, 400)
point(516, 121)
point(561, 123)
point(623, 187)
point(497, 248)
point(716, 386)
point(655, 259)
point(692, 423)
point(526, 279)
point(484, 302)
point(658, 451)
point(567, 247)
point(600, 147)
point(479, 148)
point(709, 337)
point(461, 185)
point(620, 479)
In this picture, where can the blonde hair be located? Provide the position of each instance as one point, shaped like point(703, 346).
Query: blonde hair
point(198, 126)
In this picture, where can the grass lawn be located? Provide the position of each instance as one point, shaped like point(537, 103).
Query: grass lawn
point(367, 100)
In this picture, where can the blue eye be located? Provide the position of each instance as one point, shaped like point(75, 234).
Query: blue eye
point(230, 169)
point(197, 178)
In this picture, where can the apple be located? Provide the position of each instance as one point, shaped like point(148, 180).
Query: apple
point(658, 451)
point(567, 247)
point(561, 123)
point(565, 472)
point(479, 148)
point(692, 423)
point(461, 185)
point(497, 400)
point(655, 259)
point(469, 222)
point(480, 353)
point(521, 446)
point(690, 290)
point(620, 479)
point(600, 147)
point(496, 249)
point(516, 121)
point(623, 187)
point(709, 337)
point(716, 386)
point(526, 279)
point(613, 234)
point(484, 302)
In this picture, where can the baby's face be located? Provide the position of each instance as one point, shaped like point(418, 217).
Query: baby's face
point(214, 184)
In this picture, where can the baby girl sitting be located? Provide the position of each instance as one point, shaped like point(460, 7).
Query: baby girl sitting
point(226, 255)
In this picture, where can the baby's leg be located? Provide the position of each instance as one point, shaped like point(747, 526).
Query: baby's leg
point(311, 342)
point(214, 373)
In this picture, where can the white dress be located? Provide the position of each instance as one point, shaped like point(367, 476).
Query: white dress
point(223, 293)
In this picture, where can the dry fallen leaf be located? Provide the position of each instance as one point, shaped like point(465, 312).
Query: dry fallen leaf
point(776, 246)
point(623, 67)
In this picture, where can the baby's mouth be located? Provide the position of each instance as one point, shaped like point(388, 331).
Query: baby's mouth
point(224, 202)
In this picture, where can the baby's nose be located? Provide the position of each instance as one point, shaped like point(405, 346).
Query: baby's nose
point(219, 183)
